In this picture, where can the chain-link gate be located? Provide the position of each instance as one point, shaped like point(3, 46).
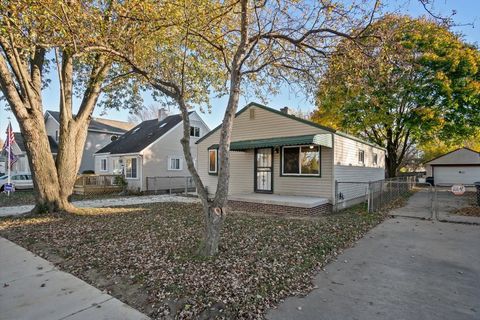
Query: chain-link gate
point(460, 201)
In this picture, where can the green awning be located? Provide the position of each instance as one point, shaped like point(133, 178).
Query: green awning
point(322, 139)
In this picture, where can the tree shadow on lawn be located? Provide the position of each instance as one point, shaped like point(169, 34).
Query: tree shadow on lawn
point(147, 257)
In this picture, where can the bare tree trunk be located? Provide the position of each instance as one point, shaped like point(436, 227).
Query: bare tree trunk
point(42, 165)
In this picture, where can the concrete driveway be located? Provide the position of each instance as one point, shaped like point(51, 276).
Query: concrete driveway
point(403, 269)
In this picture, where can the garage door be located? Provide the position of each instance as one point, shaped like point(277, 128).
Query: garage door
point(459, 175)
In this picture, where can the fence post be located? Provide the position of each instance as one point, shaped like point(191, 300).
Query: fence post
point(336, 196)
point(170, 185)
point(369, 197)
point(186, 186)
point(381, 194)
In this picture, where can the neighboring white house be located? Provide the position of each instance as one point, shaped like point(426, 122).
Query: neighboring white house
point(151, 149)
point(18, 149)
point(461, 166)
point(294, 160)
point(100, 133)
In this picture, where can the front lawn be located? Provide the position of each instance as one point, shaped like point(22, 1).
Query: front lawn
point(147, 258)
point(27, 197)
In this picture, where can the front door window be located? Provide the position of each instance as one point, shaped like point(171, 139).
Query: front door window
point(263, 166)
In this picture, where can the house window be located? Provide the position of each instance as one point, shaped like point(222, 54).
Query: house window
point(361, 156)
point(375, 159)
point(301, 161)
point(174, 163)
point(117, 166)
point(103, 164)
point(212, 161)
point(131, 168)
point(195, 132)
point(56, 135)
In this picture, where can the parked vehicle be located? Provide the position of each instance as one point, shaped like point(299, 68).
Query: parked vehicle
point(19, 180)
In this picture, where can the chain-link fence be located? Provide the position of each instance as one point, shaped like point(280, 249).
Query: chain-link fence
point(461, 200)
point(170, 184)
point(374, 195)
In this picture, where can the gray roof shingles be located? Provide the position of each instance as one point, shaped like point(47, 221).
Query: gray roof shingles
point(141, 136)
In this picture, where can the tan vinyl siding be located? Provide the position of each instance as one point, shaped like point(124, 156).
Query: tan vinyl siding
point(266, 124)
point(346, 153)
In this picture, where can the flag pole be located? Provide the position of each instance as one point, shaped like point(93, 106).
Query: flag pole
point(9, 151)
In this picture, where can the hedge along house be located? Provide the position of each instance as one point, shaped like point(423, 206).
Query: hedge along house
point(152, 149)
point(284, 164)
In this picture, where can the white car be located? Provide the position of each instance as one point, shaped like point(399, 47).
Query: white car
point(19, 180)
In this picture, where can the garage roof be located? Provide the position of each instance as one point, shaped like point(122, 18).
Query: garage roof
point(460, 156)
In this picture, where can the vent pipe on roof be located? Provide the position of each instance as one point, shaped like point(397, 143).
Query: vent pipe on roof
point(162, 114)
point(286, 110)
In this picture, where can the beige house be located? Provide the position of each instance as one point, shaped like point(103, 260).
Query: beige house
point(280, 162)
point(460, 166)
point(150, 156)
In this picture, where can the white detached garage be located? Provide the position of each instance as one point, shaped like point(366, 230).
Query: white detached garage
point(461, 166)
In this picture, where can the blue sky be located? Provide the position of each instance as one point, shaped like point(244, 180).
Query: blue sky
point(467, 12)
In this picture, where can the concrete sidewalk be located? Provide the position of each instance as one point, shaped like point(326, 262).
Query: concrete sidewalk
point(32, 288)
point(109, 202)
point(402, 269)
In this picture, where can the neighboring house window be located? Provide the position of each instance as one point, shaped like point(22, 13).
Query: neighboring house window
point(375, 159)
point(361, 156)
point(174, 163)
point(212, 161)
point(301, 161)
point(131, 168)
point(117, 167)
point(103, 164)
point(194, 132)
point(56, 135)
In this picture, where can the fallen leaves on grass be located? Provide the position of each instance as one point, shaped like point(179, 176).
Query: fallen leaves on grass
point(149, 259)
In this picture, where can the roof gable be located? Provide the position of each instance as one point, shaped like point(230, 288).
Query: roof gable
point(104, 125)
point(292, 117)
point(141, 136)
point(457, 156)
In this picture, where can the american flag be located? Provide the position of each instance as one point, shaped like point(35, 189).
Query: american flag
point(9, 142)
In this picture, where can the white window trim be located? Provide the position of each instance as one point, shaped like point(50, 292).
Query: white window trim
point(216, 161)
point(180, 160)
point(358, 156)
point(375, 159)
point(199, 132)
point(106, 164)
point(125, 168)
point(299, 163)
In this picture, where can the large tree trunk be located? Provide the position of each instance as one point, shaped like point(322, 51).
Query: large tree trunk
point(42, 164)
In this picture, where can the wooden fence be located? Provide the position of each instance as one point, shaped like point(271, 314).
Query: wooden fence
point(97, 184)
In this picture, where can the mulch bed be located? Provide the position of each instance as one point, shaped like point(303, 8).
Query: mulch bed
point(148, 258)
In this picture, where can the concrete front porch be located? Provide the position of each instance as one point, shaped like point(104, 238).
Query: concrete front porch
point(279, 204)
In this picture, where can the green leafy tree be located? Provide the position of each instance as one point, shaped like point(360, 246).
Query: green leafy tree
point(408, 81)
point(40, 40)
